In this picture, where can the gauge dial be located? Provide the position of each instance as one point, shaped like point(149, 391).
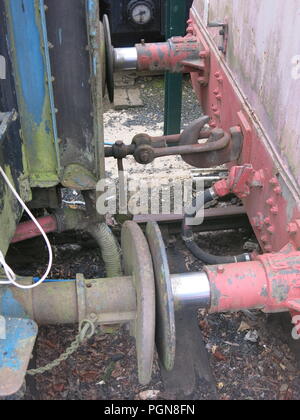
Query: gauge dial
point(141, 13)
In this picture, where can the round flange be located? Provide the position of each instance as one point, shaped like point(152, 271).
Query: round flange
point(165, 312)
point(138, 264)
point(109, 56)
point(103, 58)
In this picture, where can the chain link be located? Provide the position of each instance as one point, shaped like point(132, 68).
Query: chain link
point(87, 330)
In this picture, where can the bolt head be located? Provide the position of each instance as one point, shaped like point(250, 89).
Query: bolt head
point(274, 210)
point(274, 182)
point(221, 269)
point(264, 239)
point(203, 54)
point(292, 229)
point(278, 190)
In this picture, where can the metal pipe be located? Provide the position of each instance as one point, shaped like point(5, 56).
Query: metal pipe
point(62, 221)
point(191, 289)
point(70, 301)
point(125, 59)
point(28, 230)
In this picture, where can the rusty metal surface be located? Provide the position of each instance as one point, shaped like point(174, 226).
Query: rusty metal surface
point(177, 55)
point(270, 283)
point(77, 83)
point(263, 55)
point(15, 353)
point(59, 302)
point(220, 147)
point(165, 311)
point(226, 148)
point(138, 264)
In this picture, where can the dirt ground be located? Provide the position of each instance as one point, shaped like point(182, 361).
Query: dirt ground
point(250, 353)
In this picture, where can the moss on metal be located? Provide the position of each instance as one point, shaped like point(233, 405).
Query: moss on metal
point(37, 130)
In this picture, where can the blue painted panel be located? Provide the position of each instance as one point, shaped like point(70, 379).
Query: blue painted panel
point(9, 306)
point(29, 56)
point(20, 334)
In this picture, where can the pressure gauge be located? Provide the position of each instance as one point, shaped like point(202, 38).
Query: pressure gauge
point(140, 12)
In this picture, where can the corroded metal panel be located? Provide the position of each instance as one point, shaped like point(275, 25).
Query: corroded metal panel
point(264, 57)
point(29, 53)
point(15, 352)
point(74, 36)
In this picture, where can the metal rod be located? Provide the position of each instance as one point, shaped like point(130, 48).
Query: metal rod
point(193, 148)
point(125, 59)
point(231, 211)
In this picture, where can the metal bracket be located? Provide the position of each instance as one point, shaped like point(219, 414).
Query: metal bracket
point(223, 32)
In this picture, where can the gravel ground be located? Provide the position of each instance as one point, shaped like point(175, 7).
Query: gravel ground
point(105, 368)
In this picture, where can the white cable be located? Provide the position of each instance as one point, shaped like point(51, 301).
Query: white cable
point(8, 271)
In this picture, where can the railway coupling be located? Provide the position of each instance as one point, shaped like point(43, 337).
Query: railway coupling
point(142, 293)
point(146, 297)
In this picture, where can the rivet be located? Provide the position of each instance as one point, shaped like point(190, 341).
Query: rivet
point(292, 229)
point(274, 181)
point(203, 54)
point(278, 190)
point(274, 210)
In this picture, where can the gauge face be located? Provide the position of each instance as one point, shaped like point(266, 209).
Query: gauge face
point(141, 14)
